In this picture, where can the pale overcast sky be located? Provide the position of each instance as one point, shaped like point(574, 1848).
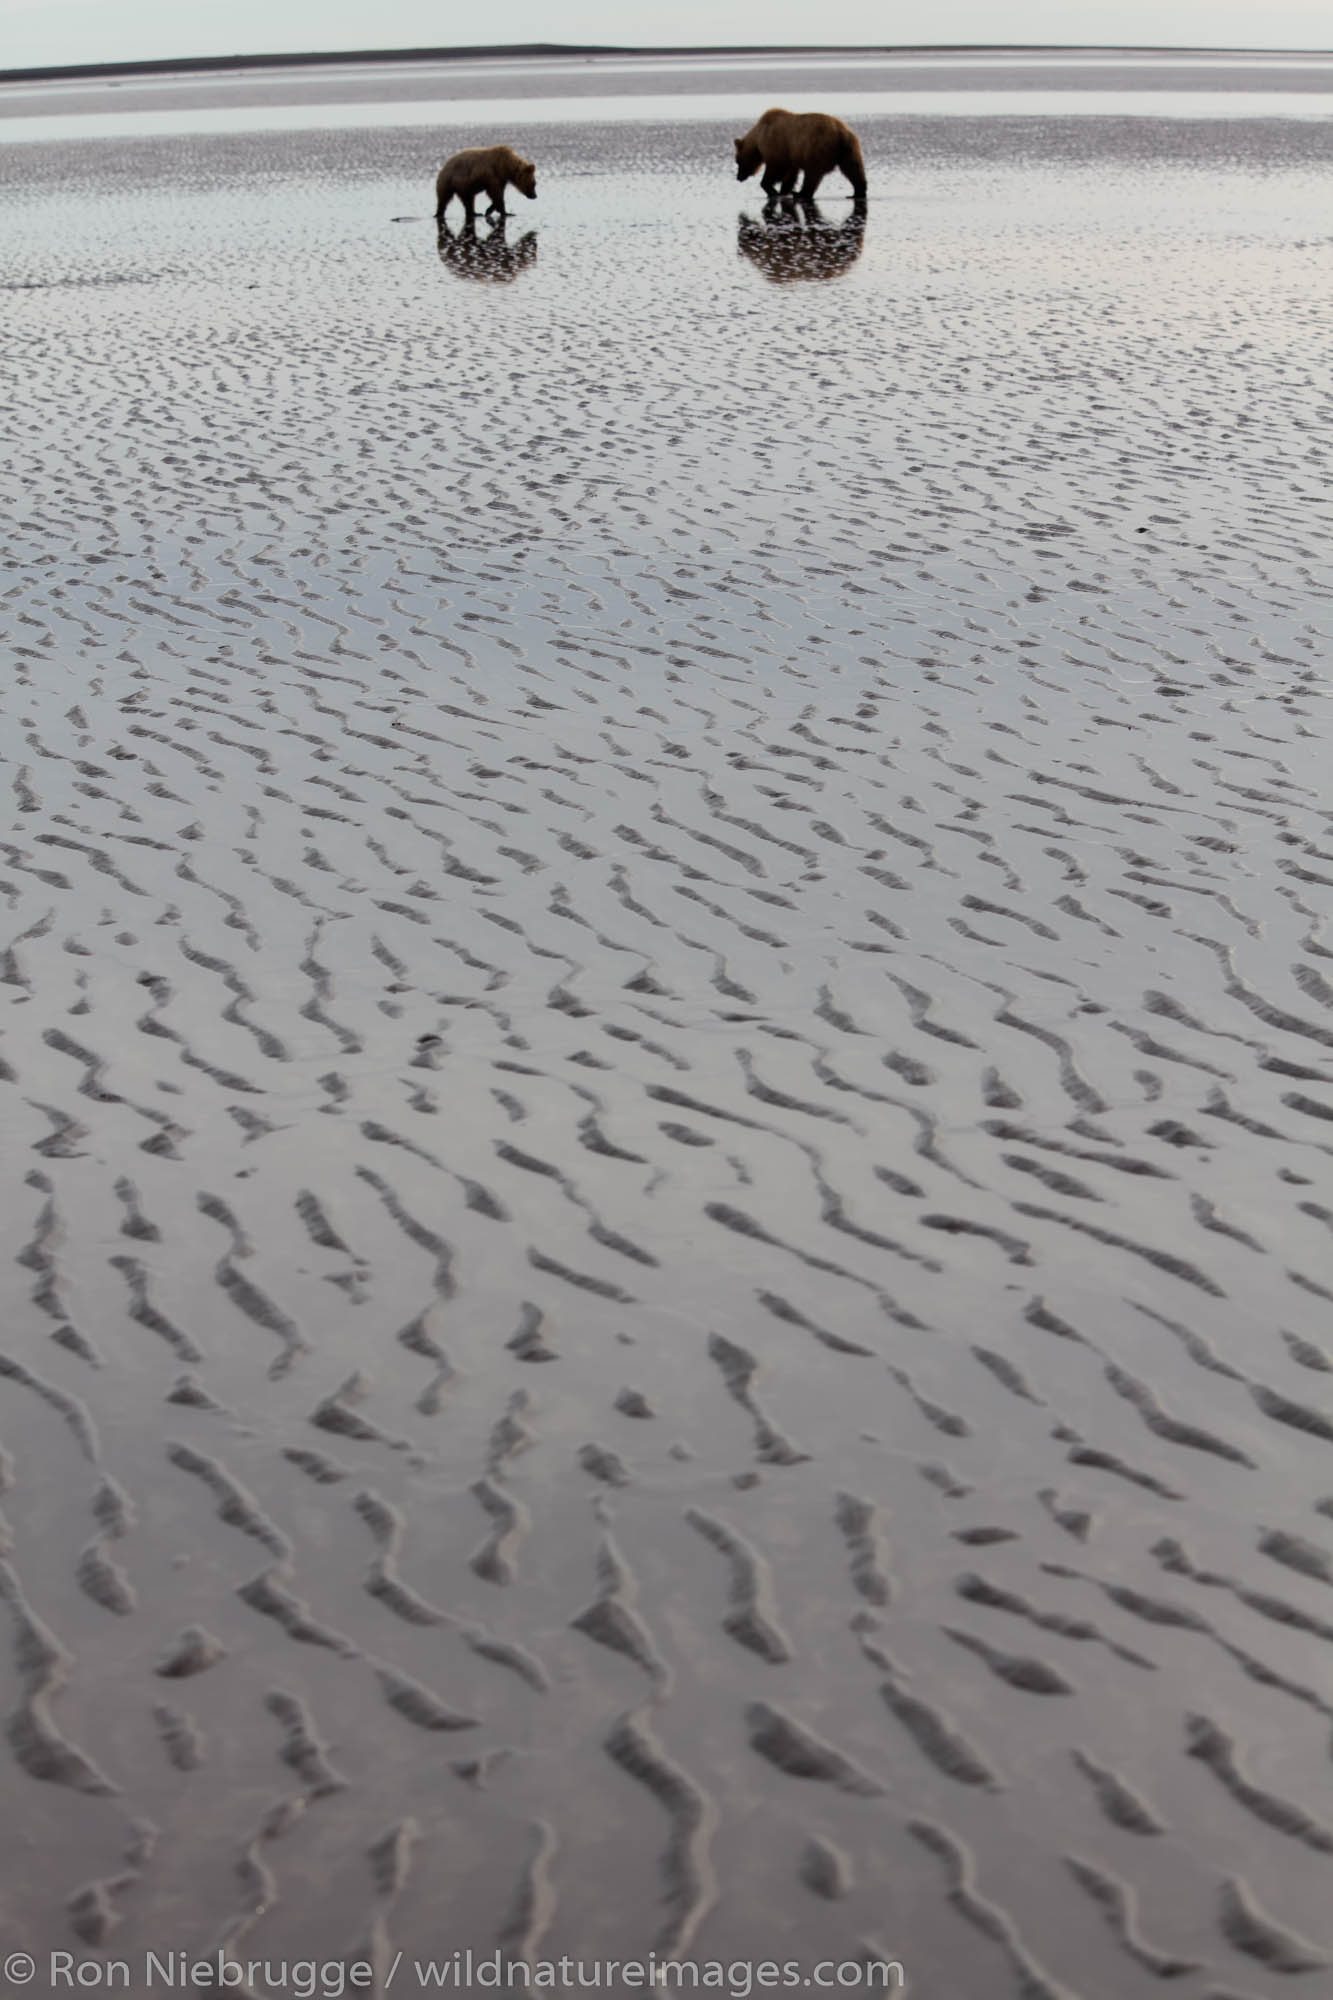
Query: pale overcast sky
point(34, 32)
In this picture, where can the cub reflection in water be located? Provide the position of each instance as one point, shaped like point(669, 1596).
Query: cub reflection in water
point(792, 241)
point(492, 258)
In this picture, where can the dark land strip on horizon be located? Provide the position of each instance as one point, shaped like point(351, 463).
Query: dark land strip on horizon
point(528, 51)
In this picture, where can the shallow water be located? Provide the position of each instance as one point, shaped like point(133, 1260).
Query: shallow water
point(545, 91)
point(668, 1046)
point(471, 116)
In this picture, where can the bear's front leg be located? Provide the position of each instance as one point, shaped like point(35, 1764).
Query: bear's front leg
point(772, 182)
point(496, 190)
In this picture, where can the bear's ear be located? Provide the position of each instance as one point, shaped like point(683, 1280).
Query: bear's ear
point(738, 143)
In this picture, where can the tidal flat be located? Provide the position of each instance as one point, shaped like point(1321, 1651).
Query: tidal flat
point(666, 1051)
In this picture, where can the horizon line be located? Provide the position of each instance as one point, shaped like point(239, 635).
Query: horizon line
point(177, 65)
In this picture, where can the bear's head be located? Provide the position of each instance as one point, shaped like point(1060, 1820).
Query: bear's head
point(748, 158)
point(525, 179)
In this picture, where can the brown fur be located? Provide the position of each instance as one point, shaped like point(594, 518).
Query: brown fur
point(790, 144)
point(487, 170)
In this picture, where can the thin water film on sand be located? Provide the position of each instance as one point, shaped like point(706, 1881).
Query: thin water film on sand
point(668, 1056)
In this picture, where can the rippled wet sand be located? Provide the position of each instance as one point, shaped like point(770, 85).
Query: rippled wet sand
point(668, 1056)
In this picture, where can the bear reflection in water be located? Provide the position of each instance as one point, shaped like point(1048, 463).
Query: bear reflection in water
point(491, 258)
point(792, 241)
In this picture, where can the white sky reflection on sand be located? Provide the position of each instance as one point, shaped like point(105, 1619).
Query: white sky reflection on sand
point(604, 110)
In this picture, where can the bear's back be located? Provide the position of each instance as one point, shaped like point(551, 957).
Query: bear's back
point(801, 138)
point(475, 162)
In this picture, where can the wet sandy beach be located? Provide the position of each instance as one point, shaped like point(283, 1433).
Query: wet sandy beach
point(667, 1056)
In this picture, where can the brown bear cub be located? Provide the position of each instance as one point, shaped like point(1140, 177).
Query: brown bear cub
point(487, 170)
point(789, 144)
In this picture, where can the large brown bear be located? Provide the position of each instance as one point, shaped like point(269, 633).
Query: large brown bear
point(487, 170)
point(788, 144)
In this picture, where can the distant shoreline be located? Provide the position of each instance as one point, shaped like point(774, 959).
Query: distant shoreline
point(528, 51)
